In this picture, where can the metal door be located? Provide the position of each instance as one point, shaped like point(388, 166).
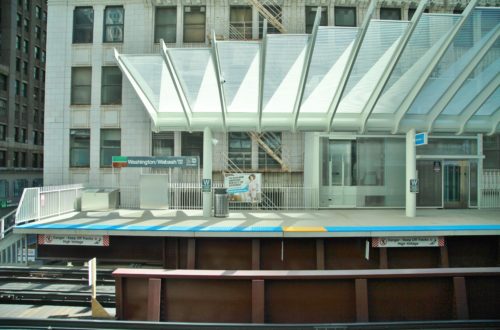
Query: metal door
point(456, 184)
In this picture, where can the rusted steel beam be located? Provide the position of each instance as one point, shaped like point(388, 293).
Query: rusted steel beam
point(154, 291)
point(305, 274)
point(384, 264)
point(460, 292)
point(443, 256)
point(119, 297)
point(320, 254)
point(255, 254)
point(361, 287)
point(191, 253)
point(258, 300)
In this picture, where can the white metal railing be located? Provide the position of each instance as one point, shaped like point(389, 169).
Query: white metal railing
point(42, 202)
point(7, 222)
point(490, 193)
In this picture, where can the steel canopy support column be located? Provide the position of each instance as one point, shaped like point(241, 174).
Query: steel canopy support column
point(305, 69)
point(207, 170)
point(411, 171)
point(417, 88)
point(403, 41)
point(263, 46)
point(349, 65)
point(220, 80)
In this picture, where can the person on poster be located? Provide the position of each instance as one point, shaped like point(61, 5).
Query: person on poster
point(252, 188)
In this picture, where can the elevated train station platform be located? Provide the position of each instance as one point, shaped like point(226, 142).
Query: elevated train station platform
point(257, 223)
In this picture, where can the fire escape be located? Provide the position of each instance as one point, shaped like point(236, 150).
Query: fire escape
point(270, 10)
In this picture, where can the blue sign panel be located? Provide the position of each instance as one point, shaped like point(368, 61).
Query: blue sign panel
point(420, 139)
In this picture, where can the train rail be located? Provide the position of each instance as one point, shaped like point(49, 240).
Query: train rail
point(53, 286)
point(13, 323)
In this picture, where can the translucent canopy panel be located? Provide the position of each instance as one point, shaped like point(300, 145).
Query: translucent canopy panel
point(147, 70)
point(378, 48)
point(151, 75)
point(425, 41)
point(181, 89)
point(491, 105)
point(484, 74)
point(285, 55)
point(469, 41)
point(196, 72)
point(329, 58)
point(240, 65)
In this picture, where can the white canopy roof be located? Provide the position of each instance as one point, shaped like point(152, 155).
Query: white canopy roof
point(439, 73)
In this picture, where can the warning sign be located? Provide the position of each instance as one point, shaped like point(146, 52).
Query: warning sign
point(434, 241)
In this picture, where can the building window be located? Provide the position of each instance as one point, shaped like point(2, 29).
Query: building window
point(26, 46)
point(390, 14)
point(18, 42)
point(37, 52)
point(113, 24)
point(43, 56)
point(19, 21)
point(26, 25)
point(271, 29)
point(166, 24)
point(3, 82)
point(38, 182)
point(163, 144)
point(3, 158)
point(36, 72)
point(26, 5)
point(311, 16)
point(240, 22)
point(17, 87)
point(83, 25)
point(3, 132)
point(25, 67)
point(19, 186)
point(192, 145)
point(38, 32)
point(110, 146)
point(79, 148)
point(24, 89)
point(38, 12)
point(81, 79)
point(491, 150)
point(34, 160)
point(240, 149)
point(411, 12)
point(194, 24)
point(111, 85)
point(273, 141)
point(18, 64)
point(4, 184)
point(345, 16)
point(3, 110)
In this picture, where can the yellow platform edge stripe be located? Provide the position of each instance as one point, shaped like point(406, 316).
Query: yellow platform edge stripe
point(304, 229)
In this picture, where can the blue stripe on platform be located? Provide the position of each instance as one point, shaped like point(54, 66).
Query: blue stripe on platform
point(256, 228)
point(410, 228)
point(153, 228)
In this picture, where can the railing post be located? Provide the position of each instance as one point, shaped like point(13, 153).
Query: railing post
point(38, 203)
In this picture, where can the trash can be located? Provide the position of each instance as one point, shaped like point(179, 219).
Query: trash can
point(221, 207)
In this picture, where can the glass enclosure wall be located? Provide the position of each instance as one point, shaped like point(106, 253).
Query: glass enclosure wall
point(362, 172)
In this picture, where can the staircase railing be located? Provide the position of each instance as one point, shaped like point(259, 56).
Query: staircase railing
point(275, 153)
point(267, 8)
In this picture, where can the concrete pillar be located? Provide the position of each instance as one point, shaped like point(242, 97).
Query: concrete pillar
point(207, 170)
point(411, 173)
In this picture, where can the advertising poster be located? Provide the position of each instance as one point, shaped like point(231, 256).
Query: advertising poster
point(244, 187)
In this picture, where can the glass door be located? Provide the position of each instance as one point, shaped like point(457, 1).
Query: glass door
point(456, 184)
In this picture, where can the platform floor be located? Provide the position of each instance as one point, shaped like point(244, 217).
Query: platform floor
point(258, 223)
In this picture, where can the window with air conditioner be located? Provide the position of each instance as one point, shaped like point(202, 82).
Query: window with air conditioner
point(194, 24)
point(113, 24)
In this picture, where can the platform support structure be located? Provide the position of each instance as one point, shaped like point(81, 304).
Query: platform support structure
point(207, 170)
point(411, 173)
